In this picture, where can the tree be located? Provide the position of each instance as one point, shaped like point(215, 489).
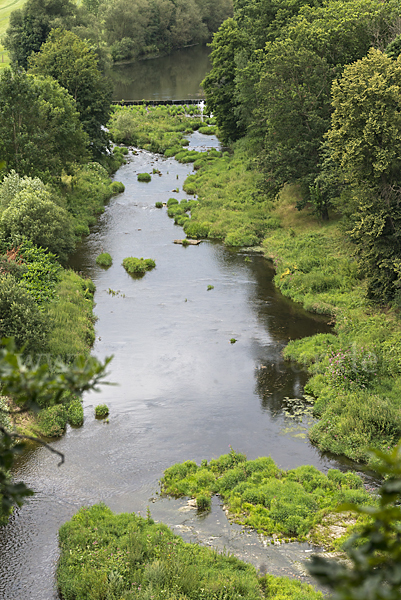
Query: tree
point(29, 26)
point(365, 144)
point(30, 385)
point(40, 132)
point(72, 63)
point(32, 214)
point(219, 84)
point(294, 111)
point(373, 569)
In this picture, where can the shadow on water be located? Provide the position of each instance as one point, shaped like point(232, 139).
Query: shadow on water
point(184, 391)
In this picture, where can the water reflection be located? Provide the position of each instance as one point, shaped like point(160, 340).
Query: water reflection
point(173, 77)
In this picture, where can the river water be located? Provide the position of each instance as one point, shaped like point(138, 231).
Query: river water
point(183, 390)
point(173, 77)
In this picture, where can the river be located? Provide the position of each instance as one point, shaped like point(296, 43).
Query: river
point(183, 390)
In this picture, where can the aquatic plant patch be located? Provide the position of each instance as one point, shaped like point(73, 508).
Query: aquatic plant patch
point(138, 266)
point(101, 411)
point(144, 177)
point(104, 259)
point(124, 556)
point(258, 494)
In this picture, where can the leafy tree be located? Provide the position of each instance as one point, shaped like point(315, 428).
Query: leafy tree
point(72, 63)
point(219, 84)
point(29, 26)
point(294, 111)
point(31, 385)
point(20, 316)
point(40, 133)
point(32, 214)
point(365, 143)
point(374, 553)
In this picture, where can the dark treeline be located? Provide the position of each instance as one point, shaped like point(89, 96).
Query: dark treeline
point(315, 88)
point(119, 29)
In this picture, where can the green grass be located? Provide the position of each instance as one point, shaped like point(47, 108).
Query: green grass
point(101, 411)
point(155, 128)
point(231, 208)
point(126, 557)
point(356, 371)
point(71, 318)
point(104, 260)
point(138, 266)
point(299, 503)
point(6, 8)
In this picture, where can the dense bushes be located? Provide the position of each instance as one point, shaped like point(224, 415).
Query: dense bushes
point(260, 495)
point(125, 556)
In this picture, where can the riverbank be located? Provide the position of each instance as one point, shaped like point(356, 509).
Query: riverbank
point(356, 371)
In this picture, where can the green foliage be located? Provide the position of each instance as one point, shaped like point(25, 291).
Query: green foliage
point(101, 411)
point(52, 421)
point(155, 128)
point(125, 556)
point(259, 494)
point(32, 214)
point(144, 177)
point(86, 191)
point(73, 63)
point(117, 187)
point(30, 26)
point(104, 259)
point(70, 318)
point(75, 412)
point(20, 316)
point(365, 141)
point(138, 266)
point(159, 205)
point(40, 132)
point(32, 385)
point(372, 566)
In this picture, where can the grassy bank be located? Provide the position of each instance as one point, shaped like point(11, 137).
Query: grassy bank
point(104, 555)
point(295, 504)
point(356, 371)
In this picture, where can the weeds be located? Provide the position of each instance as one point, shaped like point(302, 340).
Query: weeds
point(138, 266)
point(124, 556)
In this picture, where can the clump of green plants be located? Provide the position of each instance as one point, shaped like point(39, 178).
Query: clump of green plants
point(75, 412)
point(159, 205)
point(127, 556)
point(297, 503)
point(101, 411)
point(104, 259)
point(52, 421)
point(210, 287)
point(232, 341)
point(117, 187)
point(185, 243)
point(144, 177)
point(171, 202)
point(138, 266)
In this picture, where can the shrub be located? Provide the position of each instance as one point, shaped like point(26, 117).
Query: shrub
point(75, 412)
point(196, 230)
point(101, 411)
point(138, 266)
point(144, 177)
point(104, 259)
point(117, 187)
point(34, 216)
point(203, 502)
point(172, 201)
point(208, 130)
point(52, 421)
point(159, 205)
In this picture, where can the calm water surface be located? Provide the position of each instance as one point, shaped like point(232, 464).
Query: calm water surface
point(173, 77)
point(184, 391)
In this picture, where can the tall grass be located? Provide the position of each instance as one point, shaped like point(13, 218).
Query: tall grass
point(124, 557)
point(258, 494)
